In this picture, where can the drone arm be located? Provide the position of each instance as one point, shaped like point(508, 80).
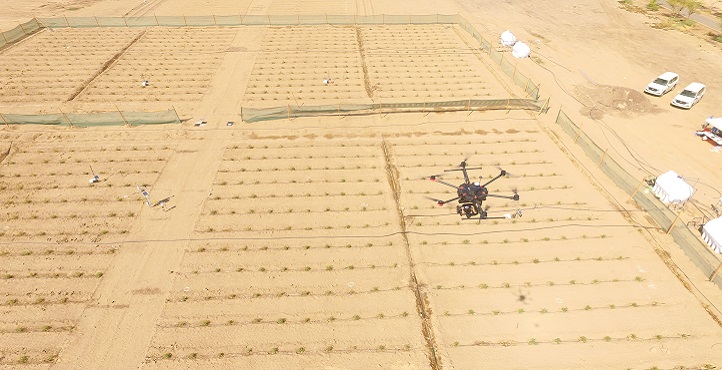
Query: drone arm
point(503, 173)
point(512, 197)
point(442, 202)
point(436, 179)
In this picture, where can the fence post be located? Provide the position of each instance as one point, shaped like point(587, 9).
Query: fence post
point(184, 20)
point(6, 122)
point(579, 132)
point(468, 106)
point(178, 117)
point(508, 100)
point(339, 109)
point(544, 106)
point(674, 222)
point(601, 160)
point(122, 116)
point(22, 28)
point(66, 117)
point(4, 38)
point(96, 21)
point(156, 20)
point(423, 110)
point(636, 190)
point(716, 271)
point(383, 19)
point(214, 20)
point(242, 119)
point(289, 111)
point(66, 21)
point(124, 21)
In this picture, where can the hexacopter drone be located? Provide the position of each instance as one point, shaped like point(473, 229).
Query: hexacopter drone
point(471, 195)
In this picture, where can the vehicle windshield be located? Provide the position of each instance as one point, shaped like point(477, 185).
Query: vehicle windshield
point(688, 94)
point(660, 81)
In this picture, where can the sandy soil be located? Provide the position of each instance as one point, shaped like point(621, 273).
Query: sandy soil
point(312, 243)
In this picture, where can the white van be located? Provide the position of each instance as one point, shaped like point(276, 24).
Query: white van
point(690, 95)
point(662, 84)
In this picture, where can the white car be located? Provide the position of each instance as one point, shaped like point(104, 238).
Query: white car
point(690, 95)
point(662, 84)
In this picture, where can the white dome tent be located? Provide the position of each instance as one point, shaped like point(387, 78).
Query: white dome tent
point(507, 39)
point(712, 234)
point(520, 50)
point(671, 188)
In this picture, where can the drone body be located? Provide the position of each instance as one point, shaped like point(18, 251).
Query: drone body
point(471, 195)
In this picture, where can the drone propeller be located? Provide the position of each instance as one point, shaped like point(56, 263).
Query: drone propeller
point(437, 178)
point(507, 173)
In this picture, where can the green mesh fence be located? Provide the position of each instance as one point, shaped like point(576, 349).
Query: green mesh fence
point(266, 114)
point(35, 119)
point(19, 32)
point(698, 252)
point(93, 119)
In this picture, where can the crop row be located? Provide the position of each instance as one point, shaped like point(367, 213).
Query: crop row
point(517, 262)
point(7, 275)
point(253, 248)
point(265, 294)
point(281, 320)
point(91, 149)
point(44, 251)
point(528, 284)
point(375, 146)
point(42, 301)
point(249, 228)
point(328, 268)
point(329, 349)
point(521, 240)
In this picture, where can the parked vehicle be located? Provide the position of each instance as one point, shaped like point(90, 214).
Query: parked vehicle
point(662, 84)
point(689, 96)
point(711, 131)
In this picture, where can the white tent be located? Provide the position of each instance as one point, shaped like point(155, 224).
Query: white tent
point(671, 188)
point(507, 38)
point(520, 50)
point(712, 234)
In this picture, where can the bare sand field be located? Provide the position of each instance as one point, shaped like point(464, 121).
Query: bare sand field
point(312, 243)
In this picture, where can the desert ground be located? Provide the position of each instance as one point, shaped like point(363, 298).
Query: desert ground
point(314, 243)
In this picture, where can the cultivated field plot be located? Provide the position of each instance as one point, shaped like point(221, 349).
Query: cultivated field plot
point(195, 7)
point(295, 61)
point(316, 7)
point(47, 278)
point(571, 277)
point(53, 65)
point(317, 270)
point(417, 62)
point(46, 194)
point(179, 63)
point(45, 290)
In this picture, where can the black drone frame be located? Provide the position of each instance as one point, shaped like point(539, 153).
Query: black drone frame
point(471, 195)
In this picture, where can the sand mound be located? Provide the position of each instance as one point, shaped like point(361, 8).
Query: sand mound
point(602, 99)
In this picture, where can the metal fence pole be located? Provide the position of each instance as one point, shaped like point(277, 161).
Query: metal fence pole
point(716, 271)
point(674, 222)
point(3, 118)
